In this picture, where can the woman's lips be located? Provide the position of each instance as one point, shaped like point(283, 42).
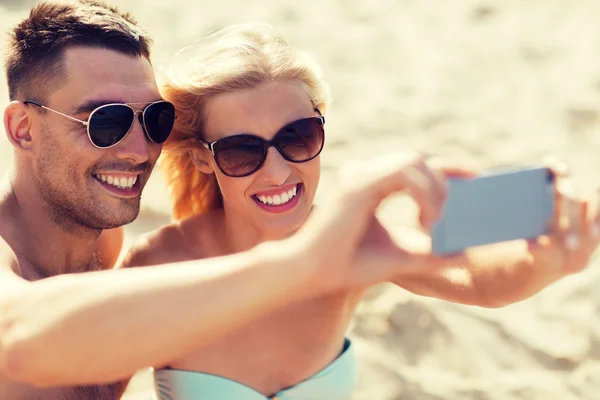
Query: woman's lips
point(279, 200)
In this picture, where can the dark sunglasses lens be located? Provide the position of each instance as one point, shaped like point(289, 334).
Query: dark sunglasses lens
point(109, 124)
point(302, 140)
point(239, 155)
point(159, 119)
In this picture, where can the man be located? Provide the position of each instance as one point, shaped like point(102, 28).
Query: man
point(86, 123)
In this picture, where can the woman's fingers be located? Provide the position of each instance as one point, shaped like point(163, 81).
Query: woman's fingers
point(593, 216)
point(569, 244)
point(572, 218)
point(559, 169)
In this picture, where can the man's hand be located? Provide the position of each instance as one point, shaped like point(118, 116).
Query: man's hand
point(345, 241)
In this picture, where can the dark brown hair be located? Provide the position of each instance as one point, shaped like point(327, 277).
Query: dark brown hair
point(34, 62)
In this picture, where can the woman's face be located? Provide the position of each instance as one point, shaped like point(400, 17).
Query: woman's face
point(263, 111)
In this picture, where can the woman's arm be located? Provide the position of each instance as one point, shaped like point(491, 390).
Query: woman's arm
point(492, 281)
point(505, 273)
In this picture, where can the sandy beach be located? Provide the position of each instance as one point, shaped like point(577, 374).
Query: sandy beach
point(493, 82)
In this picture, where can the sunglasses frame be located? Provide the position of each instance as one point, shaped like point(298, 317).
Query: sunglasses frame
point(87, 124)
point(267, 143)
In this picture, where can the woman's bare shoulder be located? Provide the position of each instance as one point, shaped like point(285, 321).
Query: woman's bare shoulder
point(163, 245)
point(178, 241)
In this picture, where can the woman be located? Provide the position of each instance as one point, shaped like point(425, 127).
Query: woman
point(243, 167)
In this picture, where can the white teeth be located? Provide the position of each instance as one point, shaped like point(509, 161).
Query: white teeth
point(121, 183)
point(278, 199)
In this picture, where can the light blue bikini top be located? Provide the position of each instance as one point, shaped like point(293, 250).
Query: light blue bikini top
point(336, 381)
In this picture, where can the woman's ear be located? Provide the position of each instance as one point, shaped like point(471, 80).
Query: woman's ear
point(199, 157)
point(18, 126)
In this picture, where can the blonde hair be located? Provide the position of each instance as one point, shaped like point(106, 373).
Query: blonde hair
point(234, 58)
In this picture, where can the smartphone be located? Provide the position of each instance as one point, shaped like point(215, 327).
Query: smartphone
point(499, 205)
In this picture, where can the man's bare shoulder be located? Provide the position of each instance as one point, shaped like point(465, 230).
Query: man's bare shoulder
point(21, 391)
point(8, 259)
point(10, 273)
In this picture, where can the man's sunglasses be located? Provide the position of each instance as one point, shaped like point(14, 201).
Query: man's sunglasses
point(244, 154)
point(108, 124)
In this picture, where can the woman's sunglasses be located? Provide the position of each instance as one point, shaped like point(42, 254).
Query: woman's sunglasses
point(107, 125)
point(243, 155)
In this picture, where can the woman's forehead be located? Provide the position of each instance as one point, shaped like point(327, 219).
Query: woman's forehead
point(262, 110)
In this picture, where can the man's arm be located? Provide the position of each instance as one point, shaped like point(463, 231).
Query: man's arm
point(103, 326)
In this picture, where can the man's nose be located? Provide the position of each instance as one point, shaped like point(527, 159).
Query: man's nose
point(135, 145)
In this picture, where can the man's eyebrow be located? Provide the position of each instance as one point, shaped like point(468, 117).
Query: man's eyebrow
point(90, 105)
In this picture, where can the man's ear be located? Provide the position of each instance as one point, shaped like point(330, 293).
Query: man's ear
point(17, 125)
point(199, 157)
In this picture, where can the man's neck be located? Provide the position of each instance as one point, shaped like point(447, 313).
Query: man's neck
point(46, 247)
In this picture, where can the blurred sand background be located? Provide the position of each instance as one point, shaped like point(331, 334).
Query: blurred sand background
point(496, 82)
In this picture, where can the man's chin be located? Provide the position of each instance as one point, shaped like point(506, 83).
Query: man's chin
point(119, 218)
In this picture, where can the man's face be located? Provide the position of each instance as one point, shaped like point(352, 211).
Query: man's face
point(82, 184)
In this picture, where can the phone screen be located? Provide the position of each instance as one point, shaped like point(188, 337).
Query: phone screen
point(495, 207)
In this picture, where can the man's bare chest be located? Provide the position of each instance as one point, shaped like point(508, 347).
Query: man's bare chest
point(14, 391)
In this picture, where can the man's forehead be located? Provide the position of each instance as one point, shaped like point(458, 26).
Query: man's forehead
point(98, 56)
point(102, 66)
point(100, 76)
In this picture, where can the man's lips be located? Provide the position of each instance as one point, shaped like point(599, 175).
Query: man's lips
point(121, 184)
